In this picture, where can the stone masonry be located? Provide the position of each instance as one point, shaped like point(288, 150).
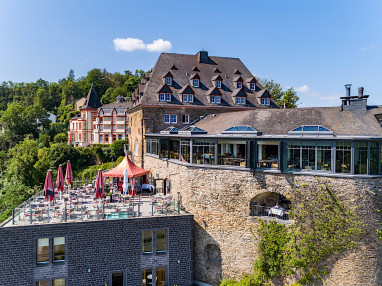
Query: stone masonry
point(224, 247)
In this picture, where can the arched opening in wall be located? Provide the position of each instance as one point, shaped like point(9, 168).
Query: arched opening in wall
point(213, 261)
point(270, 204)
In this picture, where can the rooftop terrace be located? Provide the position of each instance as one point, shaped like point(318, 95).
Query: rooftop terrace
point(80, 204)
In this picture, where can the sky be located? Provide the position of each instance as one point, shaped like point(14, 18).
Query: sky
point(316, 47)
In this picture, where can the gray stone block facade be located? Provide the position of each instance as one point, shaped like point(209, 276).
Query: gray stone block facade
point(94, 250)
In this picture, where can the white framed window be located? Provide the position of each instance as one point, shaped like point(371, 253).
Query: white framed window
point(218, 99)
point(174, 119)
point(185, 118)
point(168, 80)
point(212, 99)
point(239, 84)
point(162, 97)
point(252, 86)
point(196, 82)
point(190, 97)
point(136, 148)
point(218, 84)
point(168, 96)
point(265, 101)
point(167, 119)
point(240, 100)
point(185, 97)
point(114, 128)
point(100, 138)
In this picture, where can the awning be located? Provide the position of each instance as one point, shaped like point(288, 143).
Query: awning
point(132, 170)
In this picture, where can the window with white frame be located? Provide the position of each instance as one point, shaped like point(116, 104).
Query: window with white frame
point(212, 99)
point(239, 84)
point(265, 101)
point(168, 96)
point(188, 97)
point(167, 119)
point(114, 128)
point(252, 86)
point(162, 97)
point(196, 82)
point(174, 119)
point(168, 80)
point(185, 118)
point(218, 84)
point(240, 100)
point(101, 139)
point(218, 99)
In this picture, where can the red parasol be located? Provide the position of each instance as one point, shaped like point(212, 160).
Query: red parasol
point(99, 191)
point(48, 187)
point(68, 175)
point(60, 179)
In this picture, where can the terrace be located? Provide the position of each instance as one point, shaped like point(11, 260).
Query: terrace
point(80, 204)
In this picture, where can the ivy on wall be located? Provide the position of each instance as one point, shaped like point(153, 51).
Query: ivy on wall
point(323, 225)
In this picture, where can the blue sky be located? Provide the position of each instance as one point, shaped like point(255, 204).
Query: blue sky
point(314, 46)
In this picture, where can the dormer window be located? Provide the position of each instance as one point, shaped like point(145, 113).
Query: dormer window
point(188, 97)
point(169, 81)
point(239, 84)
point(196, 82)
point(165, 97)
point(252, 86)
point(218, 84)
point(241, 100)
point(265, 101)
point(215, 99)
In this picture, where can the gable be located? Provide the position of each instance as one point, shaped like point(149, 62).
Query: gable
point(188, 90)
point(165, 88)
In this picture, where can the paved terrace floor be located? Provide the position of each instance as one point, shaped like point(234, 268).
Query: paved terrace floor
point(81, 205)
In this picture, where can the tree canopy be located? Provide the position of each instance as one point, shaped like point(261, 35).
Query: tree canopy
point(284, 98)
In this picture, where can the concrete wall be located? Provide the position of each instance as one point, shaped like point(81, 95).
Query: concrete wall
point(102, 246)
point(224, 245)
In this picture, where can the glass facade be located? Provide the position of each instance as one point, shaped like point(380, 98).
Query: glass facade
point(231, 152)
point(152, 146)
point(342, 157)
point(203, 151)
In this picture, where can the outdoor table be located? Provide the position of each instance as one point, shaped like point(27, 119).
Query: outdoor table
point(277, 211)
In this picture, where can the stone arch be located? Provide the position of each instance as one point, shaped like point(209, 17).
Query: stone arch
point(264, 201)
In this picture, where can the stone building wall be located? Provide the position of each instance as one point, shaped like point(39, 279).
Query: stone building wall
point(103, 247)
point(219, 199)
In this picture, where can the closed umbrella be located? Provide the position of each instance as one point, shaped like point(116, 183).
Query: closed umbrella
point(60, 180)
point(68, 174)
point(125, 182)
point(99, 191)
point(48, 187)
point(133, 191)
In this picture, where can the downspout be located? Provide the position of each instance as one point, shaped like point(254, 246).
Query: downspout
point(143, 143)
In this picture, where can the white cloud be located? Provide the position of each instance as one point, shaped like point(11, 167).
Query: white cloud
point(367, 47)
point(309, 97)
point(134, 44)
point(159, 46)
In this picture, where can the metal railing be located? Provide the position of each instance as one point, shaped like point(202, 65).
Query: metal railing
point(39, 212)
point(263, 211)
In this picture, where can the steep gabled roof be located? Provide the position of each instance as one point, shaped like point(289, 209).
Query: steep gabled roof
point(214, 91)
point(187, 89)
point(239, 92)
point(92, 100)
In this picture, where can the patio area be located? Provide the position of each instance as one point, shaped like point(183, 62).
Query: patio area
point(80, 204)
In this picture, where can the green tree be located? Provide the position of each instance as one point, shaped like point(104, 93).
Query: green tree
point(60, 138)
point(287, 98)
point(117, 148)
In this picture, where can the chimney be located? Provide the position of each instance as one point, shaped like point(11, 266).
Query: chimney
point(360, 91)
point(347, 86)
point(203, 57)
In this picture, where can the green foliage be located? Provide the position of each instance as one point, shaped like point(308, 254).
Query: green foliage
point(323, 225)
point(117, 147)
point(60, 138)
point(287, 98)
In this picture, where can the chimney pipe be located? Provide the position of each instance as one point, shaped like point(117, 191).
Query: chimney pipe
point(360, 91)
point(347, 86)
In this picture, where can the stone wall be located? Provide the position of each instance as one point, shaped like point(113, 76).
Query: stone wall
point(219, 199)
point(103, 247)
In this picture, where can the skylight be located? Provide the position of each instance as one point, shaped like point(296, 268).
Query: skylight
point(240, 129)
point(311, 130)
point(191, 129)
